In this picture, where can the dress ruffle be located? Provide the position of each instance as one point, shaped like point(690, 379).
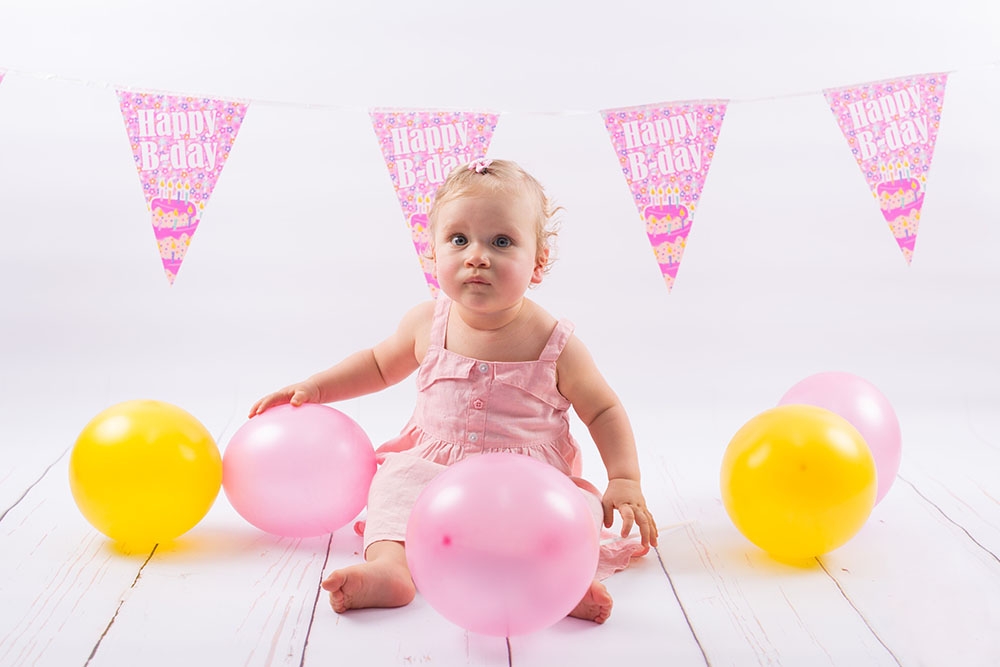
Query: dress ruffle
point(562, 454)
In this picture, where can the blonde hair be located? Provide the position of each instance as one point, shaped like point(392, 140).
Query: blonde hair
point(500, 176)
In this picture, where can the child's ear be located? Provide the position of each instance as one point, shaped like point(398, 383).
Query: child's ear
point(540, 263)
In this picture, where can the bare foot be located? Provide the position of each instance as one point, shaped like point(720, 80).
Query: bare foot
point(595, 605)
point(371, 584)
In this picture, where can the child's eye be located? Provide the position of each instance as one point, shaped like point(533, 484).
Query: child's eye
point(458, 240)
point(503, 242)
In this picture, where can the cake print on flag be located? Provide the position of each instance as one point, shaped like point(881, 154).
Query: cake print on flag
point(891, 127)
point(421, 147)
point(180, 145)
point(665, 151)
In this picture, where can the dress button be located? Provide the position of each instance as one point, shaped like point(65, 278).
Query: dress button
point(478, 404)
point(483, 368)
point(473, 437)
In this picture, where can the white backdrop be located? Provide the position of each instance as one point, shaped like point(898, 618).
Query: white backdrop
point(303, 256)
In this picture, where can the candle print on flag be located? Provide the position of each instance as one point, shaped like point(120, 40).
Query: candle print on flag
point(665, 151)
point(421, 147)
point(891, 127)
point(180, 145)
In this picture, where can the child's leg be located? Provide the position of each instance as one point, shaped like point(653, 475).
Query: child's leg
point(596, 603)
point(383, 580)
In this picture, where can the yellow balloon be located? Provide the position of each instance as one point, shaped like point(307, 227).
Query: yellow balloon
point(798, 481)
point(144, 472)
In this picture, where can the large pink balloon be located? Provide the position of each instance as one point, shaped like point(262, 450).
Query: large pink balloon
point(502, 544)
point(863, 405)
point(298, 472)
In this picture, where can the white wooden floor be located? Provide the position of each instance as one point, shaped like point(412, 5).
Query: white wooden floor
point(919, 585)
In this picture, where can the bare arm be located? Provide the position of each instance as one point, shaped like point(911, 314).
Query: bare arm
point(364, 372)
point(600, 409)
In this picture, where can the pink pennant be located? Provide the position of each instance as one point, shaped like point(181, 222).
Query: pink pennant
point(180, 145)
point(2, 72)
point(891, 128)
point(421, 147)
point(665, 151)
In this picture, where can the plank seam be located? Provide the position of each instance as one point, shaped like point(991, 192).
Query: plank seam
point(858, 612)
point(319, 590)
point(948, 518)
point(687, 619)
point(121, 603)
point(33, 484)
point(229, 422)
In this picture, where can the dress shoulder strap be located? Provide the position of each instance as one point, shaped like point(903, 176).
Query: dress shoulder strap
point(557, 340)
point(439, 327)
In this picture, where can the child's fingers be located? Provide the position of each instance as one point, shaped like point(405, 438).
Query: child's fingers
point(609, 514)
point(628, 519)
point(267, 402)
point(640, 516)
point(261, 405)
point(647, 527)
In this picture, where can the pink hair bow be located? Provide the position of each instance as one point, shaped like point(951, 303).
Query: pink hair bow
point(479, 166)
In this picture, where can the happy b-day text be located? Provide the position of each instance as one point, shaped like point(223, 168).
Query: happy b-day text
point(441, 143)
point(186, 129)
point(676, 134)
point(894, 121)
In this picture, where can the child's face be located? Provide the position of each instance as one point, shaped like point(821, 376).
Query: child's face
point(486, 250)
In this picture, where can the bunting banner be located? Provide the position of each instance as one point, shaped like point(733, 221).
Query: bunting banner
point(180, 145)
point(891, 127)
point(421, 147)
point(665, 151)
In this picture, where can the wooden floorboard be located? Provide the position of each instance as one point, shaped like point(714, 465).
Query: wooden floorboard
point(647, 624)
point(225, 594)
point(918, 585)
point(746, 608)
point(63, 582)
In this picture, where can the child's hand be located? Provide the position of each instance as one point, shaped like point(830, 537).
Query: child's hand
point(625, 495)
point(296, 394)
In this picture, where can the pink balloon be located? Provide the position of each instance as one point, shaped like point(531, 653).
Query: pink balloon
point(298, 472)
point(502, 544)
point(863, 405)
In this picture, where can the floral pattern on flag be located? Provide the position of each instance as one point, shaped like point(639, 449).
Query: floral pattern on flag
point(180, 145)
point(665, 151)
point(891, 127)
point(421, 147)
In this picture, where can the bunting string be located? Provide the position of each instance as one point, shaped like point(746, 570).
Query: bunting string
point(259, 101)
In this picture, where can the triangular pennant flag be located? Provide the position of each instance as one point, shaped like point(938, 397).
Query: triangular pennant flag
point(665, 151)
point(180, 145)
point(421, 147)
point(2, 72)
point(891, 127)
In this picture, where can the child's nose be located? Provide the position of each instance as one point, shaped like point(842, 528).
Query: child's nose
point(478, 255)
